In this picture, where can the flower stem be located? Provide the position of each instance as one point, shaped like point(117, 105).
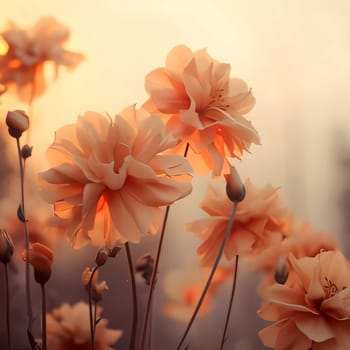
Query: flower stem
point(92, 322)
point(230, 304)
point(211, 275)
point(43, 316)
point(153, 279)
point(134, 298)
point(26, 233)
point(7, 308)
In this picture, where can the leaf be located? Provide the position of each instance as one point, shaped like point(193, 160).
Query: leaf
point(20, 214)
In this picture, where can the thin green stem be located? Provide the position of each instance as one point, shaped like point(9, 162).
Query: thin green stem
point(92, 323)
point(43, 317)
point(153, 279)
point(7, 308)
point(134, 298)
point(211, 275)
point(230, 304)
point(26, 233)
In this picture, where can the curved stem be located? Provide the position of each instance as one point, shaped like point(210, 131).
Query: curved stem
point(7, 308)
point(230, 304)
point(26, 233)
point(153, 279)
point(212, 272)
point(92, 323)
point(43, 316)
point(134, 298)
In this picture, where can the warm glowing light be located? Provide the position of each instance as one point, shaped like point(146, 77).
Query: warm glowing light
point(3, 46)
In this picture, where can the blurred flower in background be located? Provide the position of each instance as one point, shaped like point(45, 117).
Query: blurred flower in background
point(68, 328)
point(26, 52)
point(184, 287)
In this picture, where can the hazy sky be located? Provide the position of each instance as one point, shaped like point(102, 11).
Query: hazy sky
point(294, 54)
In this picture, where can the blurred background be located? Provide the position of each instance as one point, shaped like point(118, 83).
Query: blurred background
point(293, 54)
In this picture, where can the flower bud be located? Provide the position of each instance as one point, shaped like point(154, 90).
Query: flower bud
point(114, 251)
point(6, 247)
point(17, 122)
point(145, 265)
point(97, 288)
point(234, 188)
point(41, 258)
point(26, 151)
point(102, 256)
point(281, 273)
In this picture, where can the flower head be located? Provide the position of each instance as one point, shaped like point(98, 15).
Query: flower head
point(17, 122)
point(68, 328)
point(97, 287)
point(184, 288)
point(109, 178)
point(22, 65)
point(260, 221)
point(204, 106)
point(314, 311)
point(41, 258)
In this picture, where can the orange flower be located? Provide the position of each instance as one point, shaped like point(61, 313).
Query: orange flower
point(301, 240)
point(97, 288)
point(184, 289)
point(109, 179)
point(260, 221)
point(41, 258)
point(204, 105)
point(68, 327)
point(313, 312)
point(22, 65)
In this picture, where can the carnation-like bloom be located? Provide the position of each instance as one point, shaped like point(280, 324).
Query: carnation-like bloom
point(68, 327)
point(204, 106)
point(109, 178)
point(260, 221)
point(314, 311)
point(22, 65)
point(184, 288)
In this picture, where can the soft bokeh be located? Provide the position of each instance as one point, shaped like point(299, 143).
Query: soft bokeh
point(295, 56)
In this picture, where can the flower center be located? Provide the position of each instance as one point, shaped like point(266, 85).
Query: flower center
point(330, 288)
point(217, 99)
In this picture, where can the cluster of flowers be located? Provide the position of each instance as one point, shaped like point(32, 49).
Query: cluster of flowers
point(111, 177)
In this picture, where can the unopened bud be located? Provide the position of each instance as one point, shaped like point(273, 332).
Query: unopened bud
point(114, 251)
point(101, 256)
point(234, 188)
point(6, 247)
point(26, 151)
point(17, 122)
point(145, 265)
point(41, 258)
point(281, 273)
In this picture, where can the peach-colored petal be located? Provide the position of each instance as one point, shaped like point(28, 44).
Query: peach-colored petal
point(107, 170)
point(314, 327)
point(338, 306)
point(204, 107)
